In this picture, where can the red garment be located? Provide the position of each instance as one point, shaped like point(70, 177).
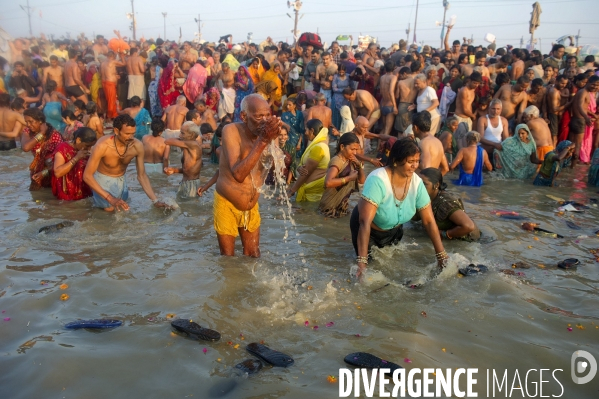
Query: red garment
point(111, 99)
point(167, 90)
point(41, 152)
point(483, 90)
point(71, 186)
point(212, 99)
point(564, 126)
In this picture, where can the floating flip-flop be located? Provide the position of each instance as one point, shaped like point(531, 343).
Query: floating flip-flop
point(55, 227)
point(558, 199)
point(572, 225)
point(96, 323)
point(513, 217)
point(575, 204)
point(249, 366)
point(367, 360)
point(547, 233)
point(570, 263)
point(270, 356)
point(473, 269)
point(193, 330)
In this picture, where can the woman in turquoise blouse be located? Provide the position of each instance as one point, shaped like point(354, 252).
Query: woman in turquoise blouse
point(391, 197)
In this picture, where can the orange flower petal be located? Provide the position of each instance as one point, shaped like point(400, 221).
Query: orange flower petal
point(64, 297)
point(64, 286)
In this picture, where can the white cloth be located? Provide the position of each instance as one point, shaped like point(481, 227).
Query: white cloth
point(137, 87)
point(493, 133)
point(347, 124)
point(447, 97)
point(227, 102)
point(171, 134)
point(425, 100)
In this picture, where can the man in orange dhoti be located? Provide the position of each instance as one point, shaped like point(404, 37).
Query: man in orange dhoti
point(109, 80)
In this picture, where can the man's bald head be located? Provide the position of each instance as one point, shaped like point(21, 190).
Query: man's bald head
point(253, 102)
point(362, 122)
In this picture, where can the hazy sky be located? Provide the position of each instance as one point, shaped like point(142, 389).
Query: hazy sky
point(386, 19)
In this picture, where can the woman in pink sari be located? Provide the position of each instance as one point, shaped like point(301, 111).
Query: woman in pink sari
point(587, 141)
point(195, 83)
point(168, 88)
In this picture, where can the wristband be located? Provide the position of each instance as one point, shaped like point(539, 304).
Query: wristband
point(362, 259)
point(343, 180)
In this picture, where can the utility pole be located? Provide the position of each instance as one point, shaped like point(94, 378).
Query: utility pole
point(408, 33)
point(133, 18)
point(199, 21)
point(297, 5)
point(164, 15)
point(577, 36)
point(416, 20)
point(445, 7)
point(28, 10)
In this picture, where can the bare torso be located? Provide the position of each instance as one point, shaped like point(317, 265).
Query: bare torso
point(208, 117)
point(113, 164)
point(510, 101)
point(228, 78)
point(9, 120)
point(464, 102)
point(407, 93)
point(175, 116)
point(387, 84)
point(433, 147)
point(135, 65)
point(540, 132)
point(322, 113)
point(365, 101)
point(70, 69)
point(469, 158)
point(54, 73)
point(108, 71)
point(154, 148)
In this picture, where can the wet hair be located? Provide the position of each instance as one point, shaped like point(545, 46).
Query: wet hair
point(72, 53)
point(133, 50)
point(480, 54)
point(462, 57)
point(347, 139)
point(67, 113)
point(404, 70)
point(435, 176)
point(16, 64)
point(191, 114)
point(122, 120)
point(79, 104)
point(206, 128)
point(199, 102)
point(309, 103)
point(456, 67)
point(53, 58)
point(401, 150)
point(135, 101)
point(476, 77)
point(589, 58)
point(523, 79)
point(157, 126)
point(408, 58)
point(17, 104)
point(472, 137)
point(422, 120)
point(556, 47)
point(35, 113)
point(389, 66)
point(348, 91)
point(532, 110)
point(518, 53)
point(593, 79)
point(500, 52)
point(502, 78)
point(561, 77)
point(91, 108)
point(85, 134)
point(4, 99)
point(537, 82)
point(315, 125)
point(415, 66)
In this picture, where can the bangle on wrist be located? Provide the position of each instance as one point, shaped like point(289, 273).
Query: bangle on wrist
point(362, 259)
point(45, 172)
point(39, 137)
point(343, 180)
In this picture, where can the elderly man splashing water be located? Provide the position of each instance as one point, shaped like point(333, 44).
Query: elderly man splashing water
point(240, 176)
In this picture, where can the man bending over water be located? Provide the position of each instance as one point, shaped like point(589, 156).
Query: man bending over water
point(107, 164)
point(239, 176)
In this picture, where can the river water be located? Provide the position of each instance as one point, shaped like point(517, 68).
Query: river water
point(145, 265)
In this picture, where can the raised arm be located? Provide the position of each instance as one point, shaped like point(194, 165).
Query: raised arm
point(446, 41)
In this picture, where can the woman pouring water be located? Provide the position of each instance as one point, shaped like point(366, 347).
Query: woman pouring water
point(391, 197)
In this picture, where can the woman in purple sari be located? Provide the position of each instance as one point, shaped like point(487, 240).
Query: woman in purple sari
point(244, 86)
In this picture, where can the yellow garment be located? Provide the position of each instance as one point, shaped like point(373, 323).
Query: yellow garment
point(232, 62)
point(95, 86)
point(272, 76)
point(317, 150)
point(311, 191)
point(2, 87)
point(256, 73)
point(228, 219)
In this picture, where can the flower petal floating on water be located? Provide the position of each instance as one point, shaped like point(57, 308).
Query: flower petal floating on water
point(330, 324)
point(204, 350)
point(406, 360)
point(7, 319)
point(444, 350)
point(332, 379)
point(358, 335)
point(423, 313)
point(315, 328)
point(236, 346)
point(170, 315)
point(64, 297)
point(63, 286)
point(306, 323)
point(569, 328)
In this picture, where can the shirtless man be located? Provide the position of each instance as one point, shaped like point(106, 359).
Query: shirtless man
point(321, 112)
point(107, 164)
point(388, 105)
point(174, 116)
point(363, 103)
point(540, 131)
point(324, 74)
point(72, 77)
point(99, 47)
point(54, 72)
point(556, 105)
point(513, 100)
point(362, 132)
point(136, 70)
point(11, 123)
point(109, 81)
point(188, 54)
point(467, 156)
point(239, 176)
point(536, 96)
point(581, 115)
point(432, 154)
point(370, 56)
point(454, 50)
point(406, 94)
point(493, 128)
point(206, 114)
point(465, 99)
point(191, 160)
point(468, 69)
point(227, 103)
point(156, 152)
point(517, 64)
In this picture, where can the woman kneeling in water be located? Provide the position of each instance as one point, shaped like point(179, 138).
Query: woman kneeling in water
point(448, 209)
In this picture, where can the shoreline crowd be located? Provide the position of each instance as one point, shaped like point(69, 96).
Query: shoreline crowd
point(86, 110)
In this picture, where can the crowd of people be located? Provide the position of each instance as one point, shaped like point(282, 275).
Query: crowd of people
point(86, 109)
